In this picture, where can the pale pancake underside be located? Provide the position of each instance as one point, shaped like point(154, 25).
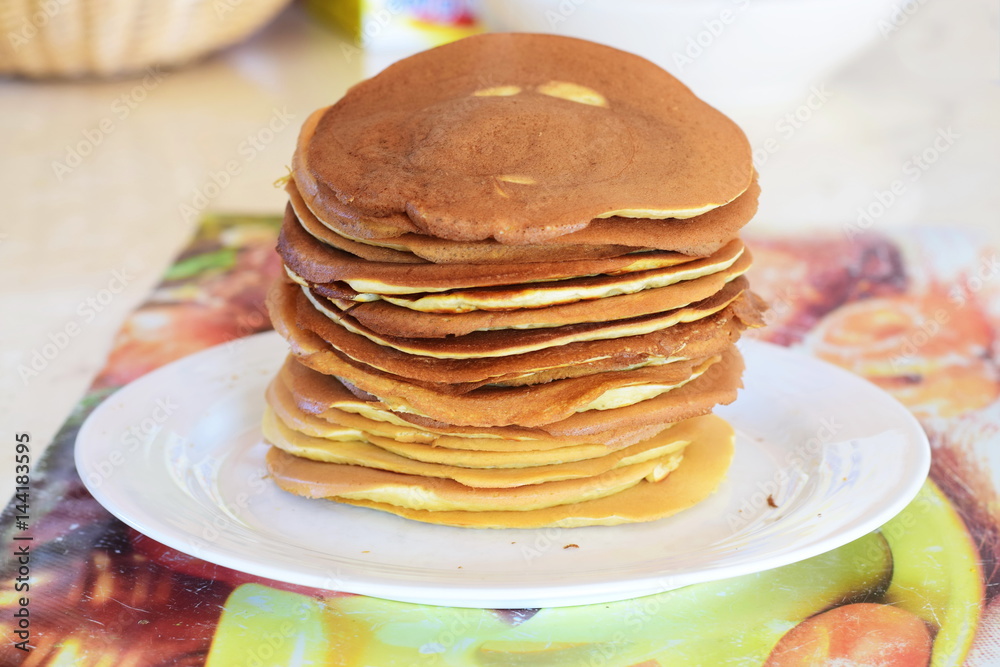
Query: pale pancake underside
point(609, 498)
point(556, 293)
point(495, 469)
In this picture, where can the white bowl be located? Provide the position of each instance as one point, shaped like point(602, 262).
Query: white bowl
point(727, 51)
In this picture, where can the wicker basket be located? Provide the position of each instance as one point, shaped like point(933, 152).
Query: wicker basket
point(72, 38)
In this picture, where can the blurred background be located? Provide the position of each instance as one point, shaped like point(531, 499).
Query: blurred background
point(123, 124)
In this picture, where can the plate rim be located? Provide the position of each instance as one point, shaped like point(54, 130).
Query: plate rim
point(455, 593)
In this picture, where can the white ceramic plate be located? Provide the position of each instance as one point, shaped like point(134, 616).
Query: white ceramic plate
point(178, 456)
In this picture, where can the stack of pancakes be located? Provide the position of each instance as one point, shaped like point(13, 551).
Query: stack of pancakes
point(514, 284)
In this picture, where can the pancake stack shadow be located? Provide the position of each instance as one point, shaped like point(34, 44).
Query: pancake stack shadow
point(514, 287)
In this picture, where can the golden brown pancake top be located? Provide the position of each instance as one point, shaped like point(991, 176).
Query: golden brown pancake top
point(698, 236)
point(522, 138)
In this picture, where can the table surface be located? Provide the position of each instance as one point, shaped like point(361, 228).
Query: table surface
point(80, 247)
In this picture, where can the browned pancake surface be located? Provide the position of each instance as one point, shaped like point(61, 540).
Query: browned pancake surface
point(392, 320)
point(295, 317)
point(416, 248)
point(317, 262)
point(510, 342)
point(700, 471)
point(608, 237)
point(529, 166)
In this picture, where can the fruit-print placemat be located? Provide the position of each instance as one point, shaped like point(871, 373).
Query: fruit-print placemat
point(917, 313)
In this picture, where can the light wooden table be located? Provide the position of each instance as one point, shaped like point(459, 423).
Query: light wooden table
point(100, 179)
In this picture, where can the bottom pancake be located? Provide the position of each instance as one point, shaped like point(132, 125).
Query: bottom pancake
point(694, 478)
point(315, 479)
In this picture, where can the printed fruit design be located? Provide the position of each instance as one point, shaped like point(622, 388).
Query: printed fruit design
point(936, 590)
point(740, 618)
point(930, 350)
point(936, 574)
point(805, 280)
point(916, 579)
point(856, 634)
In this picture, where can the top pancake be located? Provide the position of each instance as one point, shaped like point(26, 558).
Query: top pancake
point(353, 234)
point(522, 138)
point(386, 239)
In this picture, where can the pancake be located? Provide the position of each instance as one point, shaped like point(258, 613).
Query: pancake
point(510, 474)
point(316, 479)
point(374, 253)
point(295, 317)
point(529, 405)
point(415, 248)
point(610, 427)
point(425, 138)
point(539, 295)
point(463, 449)
point(555, 293)
point(699, 236)
point(689, 398)
point(385, 318)
point(474, 458)
point(717, 386)
point(699, 473)
point(317, 262)
point(372, 417)
point(506, 342)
